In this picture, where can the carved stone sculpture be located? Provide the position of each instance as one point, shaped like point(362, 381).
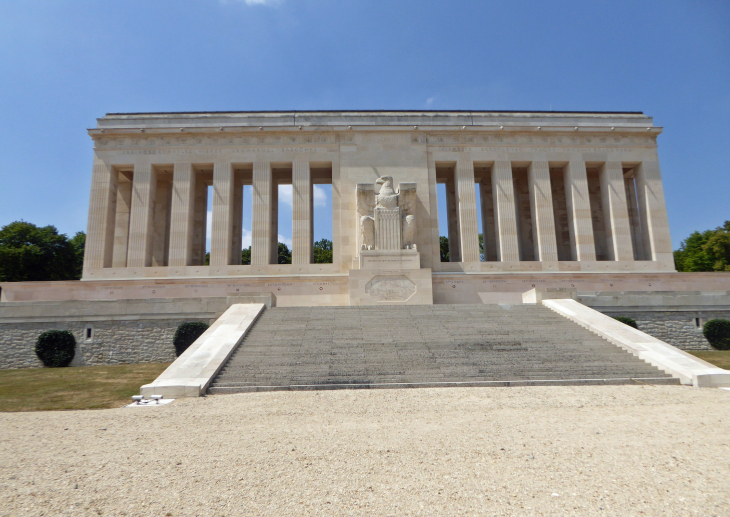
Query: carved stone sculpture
point(387, 219)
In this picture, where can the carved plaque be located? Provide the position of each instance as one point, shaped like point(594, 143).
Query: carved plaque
point(390, 288)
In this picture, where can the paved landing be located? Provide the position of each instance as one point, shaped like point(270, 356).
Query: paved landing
point(434, 345)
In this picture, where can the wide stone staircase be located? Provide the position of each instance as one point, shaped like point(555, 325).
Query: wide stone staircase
point(427, 345)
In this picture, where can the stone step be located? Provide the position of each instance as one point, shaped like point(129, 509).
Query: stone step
point(311, 347)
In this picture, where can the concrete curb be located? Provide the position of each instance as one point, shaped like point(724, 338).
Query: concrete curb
point(687, 368)
point(192, 372)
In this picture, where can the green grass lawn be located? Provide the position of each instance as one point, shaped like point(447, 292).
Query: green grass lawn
point(83, 387)
point(721, 359)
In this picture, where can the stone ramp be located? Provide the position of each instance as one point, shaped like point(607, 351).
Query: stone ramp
point(429, 345)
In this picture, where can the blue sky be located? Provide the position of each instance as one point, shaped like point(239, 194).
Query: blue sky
point(64, 63)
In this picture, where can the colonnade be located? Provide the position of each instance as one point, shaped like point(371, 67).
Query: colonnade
point(154, 214)
point(547, 211)
point(150, 214)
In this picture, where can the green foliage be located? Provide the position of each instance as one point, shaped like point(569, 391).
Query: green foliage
point(55, 348)
point(284, 255)
point(32, 253)
point(78, 242)
point(717, 332)
point(631, 322)
point(323, 251)
point(186, 334)
point(246, 256)
point(207, 259)
point(444, 247)
point(705, 251)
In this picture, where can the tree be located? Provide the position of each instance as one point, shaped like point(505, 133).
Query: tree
point(444, 245)
point(323, 251)
point(705, 251)
point(78, 242)
point(246, 256)
point(32, 253)
point(284, 255)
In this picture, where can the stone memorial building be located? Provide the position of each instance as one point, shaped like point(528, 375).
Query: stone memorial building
point(565, 199)
point(560, 193)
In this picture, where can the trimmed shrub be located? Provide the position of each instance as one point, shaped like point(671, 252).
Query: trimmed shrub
point(717, 332)
point(631, 322)
point(186, 334)
point(55, 348)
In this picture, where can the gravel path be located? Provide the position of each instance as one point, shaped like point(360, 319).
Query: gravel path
point(601, 450)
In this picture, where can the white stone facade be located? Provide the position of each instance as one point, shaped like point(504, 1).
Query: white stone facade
point(560, 191)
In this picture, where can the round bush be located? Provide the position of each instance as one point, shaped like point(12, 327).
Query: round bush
point(717, 332)
point(186, 334)
point(55, 348)
point(631, 322)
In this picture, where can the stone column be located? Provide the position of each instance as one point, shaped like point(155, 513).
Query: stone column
point(261, 220)
point(637, 241)
point(616, 212)
point(452, 210)
point(302, 224)
point(100, 228)
point(467, 201)
point(541, 210)
point(579, 211)
point(183, 210)
point(221, 239)
point(237, 238)
point(144, 193)
point(653, 211)
point(504, 212)
point(161, 224)
point(489, 225)
point(121, 220)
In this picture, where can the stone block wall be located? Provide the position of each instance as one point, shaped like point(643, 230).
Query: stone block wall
point(112, 342)
point(678, 328)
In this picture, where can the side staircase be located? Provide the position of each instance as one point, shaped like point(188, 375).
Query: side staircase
point(427, 345)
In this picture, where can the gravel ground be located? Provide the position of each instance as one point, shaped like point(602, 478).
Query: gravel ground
point(602, 450)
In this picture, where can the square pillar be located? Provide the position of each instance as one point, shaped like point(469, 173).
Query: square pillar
point(263, 196)
point(237, 240)
point(578, 203)
point(467, 206)
point(144, 194)
point(183, 210)
point(615, 212)
point(102, 205)
point(503, 193)
point(221, 239)
point(302, 223)
point(541, 210)
point(121, 219)
point(653, 211)
point(161, 225)
point(488, 222)
point(452, 210)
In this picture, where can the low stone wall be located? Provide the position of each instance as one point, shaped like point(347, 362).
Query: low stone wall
point(112, 342)
point(106, 332)
point(676, 328)
point(674, 317)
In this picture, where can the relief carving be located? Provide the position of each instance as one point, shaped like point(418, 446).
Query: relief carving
point(390, 288)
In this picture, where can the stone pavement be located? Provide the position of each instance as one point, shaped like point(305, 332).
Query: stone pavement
point(436, 345)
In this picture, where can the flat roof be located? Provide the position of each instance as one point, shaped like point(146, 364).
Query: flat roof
point(376, 111)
